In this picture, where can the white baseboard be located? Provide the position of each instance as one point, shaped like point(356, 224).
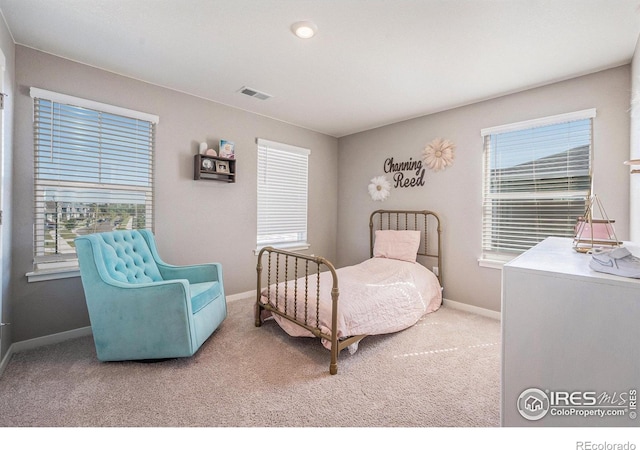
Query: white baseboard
point(240, 296)
point(472, 309)
point(40, 341)
point(5, 361)
point(50, 339)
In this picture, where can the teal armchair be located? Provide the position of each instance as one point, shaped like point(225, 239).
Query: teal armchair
point(141, 307)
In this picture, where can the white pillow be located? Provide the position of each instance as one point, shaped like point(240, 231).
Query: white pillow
point(401, 244)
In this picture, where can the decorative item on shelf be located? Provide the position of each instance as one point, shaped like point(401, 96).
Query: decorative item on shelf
point(633, 162)
point(592, 233)
point(439, 154)
point(227, 149)
point(379, 188)
point(208, 165)
point(222, 167)
point(204, 150)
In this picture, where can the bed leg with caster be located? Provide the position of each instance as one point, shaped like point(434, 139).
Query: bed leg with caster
point(258, 307)
point(335, 349)
point(258, 322)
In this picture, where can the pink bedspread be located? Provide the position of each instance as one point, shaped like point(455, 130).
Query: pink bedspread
point(377, 296)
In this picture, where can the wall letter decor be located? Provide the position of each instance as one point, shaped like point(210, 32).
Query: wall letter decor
point(415, 178)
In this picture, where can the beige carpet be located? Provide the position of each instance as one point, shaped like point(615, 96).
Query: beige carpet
point(443, 372)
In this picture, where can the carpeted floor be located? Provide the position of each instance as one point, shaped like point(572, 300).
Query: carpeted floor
point(442, 372)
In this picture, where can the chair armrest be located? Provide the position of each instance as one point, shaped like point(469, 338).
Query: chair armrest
point(197, 273)
point(158, 294)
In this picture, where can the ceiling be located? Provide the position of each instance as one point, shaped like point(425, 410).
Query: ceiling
point(371, 63)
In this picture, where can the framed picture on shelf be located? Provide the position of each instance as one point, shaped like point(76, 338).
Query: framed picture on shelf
point(222, 167)
point(207, 164)
point(227, 149)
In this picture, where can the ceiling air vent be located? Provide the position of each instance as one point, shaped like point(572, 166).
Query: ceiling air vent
point(253, 93)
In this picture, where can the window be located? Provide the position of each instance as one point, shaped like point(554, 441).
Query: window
point(282, 195)
point(536, 182)
point(93, 173)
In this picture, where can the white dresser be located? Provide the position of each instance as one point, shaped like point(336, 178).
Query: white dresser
point(570, 341)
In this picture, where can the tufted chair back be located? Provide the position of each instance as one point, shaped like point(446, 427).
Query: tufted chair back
point(127, 257)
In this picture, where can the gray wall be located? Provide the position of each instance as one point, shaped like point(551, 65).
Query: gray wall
point(6, 188)
point(455, 193)
point(196, 221)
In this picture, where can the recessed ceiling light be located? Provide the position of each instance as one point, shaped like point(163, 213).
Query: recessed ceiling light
point(304, 29)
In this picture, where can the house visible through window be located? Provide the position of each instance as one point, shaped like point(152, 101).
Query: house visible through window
point(93, 173)
point(536, 181)
point(282, 195)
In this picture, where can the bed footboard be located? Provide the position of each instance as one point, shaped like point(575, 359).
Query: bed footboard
point(284, 267)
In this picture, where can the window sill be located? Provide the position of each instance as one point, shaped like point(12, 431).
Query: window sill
point(290, 248)
point(491, 263)
point(53, 274)
point(495, 261)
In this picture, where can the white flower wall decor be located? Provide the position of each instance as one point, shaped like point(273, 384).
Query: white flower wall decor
point(379, 188)
point(439, 154)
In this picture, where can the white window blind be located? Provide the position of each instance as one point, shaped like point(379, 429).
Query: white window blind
point(282, 194)
point(93, 168)
point(536, 181)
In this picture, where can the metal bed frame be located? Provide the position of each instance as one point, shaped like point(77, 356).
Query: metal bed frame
point(285, 266)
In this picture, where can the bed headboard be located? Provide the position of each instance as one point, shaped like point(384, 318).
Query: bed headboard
point(427, 222)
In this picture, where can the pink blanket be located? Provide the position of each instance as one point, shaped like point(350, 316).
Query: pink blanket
point(377, 296)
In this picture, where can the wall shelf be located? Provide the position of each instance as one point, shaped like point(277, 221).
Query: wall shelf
point(214, 168)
